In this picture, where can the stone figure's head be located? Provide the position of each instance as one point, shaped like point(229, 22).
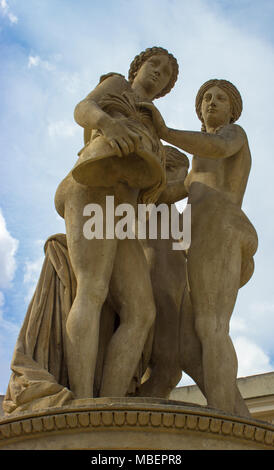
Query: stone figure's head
point(156, 68)
point(218, 102)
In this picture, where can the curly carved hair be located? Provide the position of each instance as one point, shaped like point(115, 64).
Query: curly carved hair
point(175, 158)
point(144, 56)
point(229, 89)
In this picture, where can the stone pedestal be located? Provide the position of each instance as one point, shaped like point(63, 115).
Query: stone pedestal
point(133, 423)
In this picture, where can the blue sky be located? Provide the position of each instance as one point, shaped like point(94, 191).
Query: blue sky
point(52, 53)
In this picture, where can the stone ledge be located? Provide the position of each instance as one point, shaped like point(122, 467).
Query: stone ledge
point(133, 424)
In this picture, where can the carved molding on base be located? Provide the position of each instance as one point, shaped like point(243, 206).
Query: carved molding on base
point(126, 415)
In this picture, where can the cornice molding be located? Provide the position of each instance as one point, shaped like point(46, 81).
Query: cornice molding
point(133, 416)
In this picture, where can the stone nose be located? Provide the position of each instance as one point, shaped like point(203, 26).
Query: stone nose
point(212, 102)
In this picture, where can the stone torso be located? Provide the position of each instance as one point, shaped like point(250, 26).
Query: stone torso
point(227, 176)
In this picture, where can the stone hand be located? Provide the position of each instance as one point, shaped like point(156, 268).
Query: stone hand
point(123, 140)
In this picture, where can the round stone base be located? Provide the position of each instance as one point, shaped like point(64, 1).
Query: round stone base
point(133, 423)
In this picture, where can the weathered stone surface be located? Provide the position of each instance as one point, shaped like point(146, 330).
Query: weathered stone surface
point(220, 257)
point(168, 425)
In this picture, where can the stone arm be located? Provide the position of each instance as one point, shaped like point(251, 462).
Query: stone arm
point(175, 191)
point(89, 115)
point(225, 143)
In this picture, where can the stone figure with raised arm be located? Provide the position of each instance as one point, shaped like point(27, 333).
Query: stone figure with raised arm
point(220, 258)
point(123, 157)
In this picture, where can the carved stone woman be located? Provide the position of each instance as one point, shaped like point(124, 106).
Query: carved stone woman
point(220, 258)
point(123, 157)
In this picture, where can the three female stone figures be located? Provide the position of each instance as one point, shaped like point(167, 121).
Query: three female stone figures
point(220, 258)
point(124, 158)
point(117, 118)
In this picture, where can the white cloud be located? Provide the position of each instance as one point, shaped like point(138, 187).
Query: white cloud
point(8, 326)
point(71, 82)
point(5, 10)
point(35, 61)
point(62, 128)
point(8, 335)
point(8, 248)
point(238, 325)
point(8, 329)
point(251, 358)
point(254, 319)
point(263, 307)
point(31, 276)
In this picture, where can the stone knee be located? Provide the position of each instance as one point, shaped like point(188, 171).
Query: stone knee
point(203, 326)
point(87, 305)
point(145, 316)
point(96, 290)
point(209, 327)
point(139, 317)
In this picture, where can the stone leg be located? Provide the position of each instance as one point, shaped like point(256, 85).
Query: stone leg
point(191, 354)
point(168, 274)
point(131, 289)
point(165, 370)
point(92, 262)
point(190, 345)
point(214, 268)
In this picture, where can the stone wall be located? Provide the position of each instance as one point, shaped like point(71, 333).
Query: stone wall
point(257, 390)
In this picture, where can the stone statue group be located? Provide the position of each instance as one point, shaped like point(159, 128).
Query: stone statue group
point(115, 317)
